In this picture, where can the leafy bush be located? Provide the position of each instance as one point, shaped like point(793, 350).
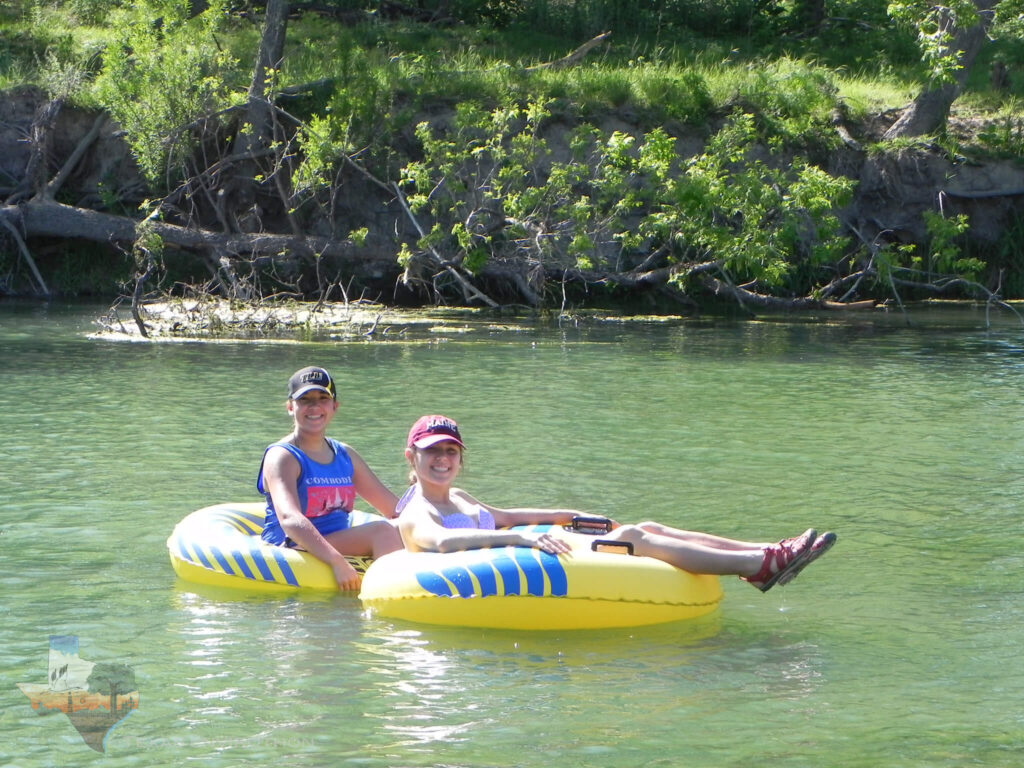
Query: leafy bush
point(162, 71)
point(492, 191)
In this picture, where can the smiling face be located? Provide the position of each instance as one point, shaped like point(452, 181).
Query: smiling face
point(313, 411)
point(439, 464)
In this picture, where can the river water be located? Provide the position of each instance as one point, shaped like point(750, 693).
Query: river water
point(899, 648)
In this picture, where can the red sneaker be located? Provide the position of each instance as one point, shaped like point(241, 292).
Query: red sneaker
point(780, 560)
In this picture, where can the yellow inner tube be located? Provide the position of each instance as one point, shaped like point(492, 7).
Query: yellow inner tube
point(502, 587)
point(221, 546)
point(523, 588)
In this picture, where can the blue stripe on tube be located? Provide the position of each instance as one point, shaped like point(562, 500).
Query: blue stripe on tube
point(486, 577)
point(222, 561)
point(460, 579)
point(433, 583)
point(286, 570)
point(531, 570)
point(243, 566)
point(202, 559)
point(553, 567)
point(510, 575)
point(261, 565)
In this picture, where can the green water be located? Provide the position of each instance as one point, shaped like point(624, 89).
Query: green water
point(900, 648)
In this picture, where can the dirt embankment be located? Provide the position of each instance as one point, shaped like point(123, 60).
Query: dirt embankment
point(893, 190)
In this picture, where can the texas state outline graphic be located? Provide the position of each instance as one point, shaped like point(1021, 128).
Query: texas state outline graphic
point(94, 696)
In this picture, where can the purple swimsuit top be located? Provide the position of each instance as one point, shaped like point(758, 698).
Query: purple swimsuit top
point(455, 519)
point(462, 520)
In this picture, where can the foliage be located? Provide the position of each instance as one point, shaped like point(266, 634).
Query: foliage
point(89, 12)
point(494, 184)
point(937, 263)
point(793, 99)
point(1009, 19)
point(1005, 135)
point(759, 220)
point(353, 119)
point(935, 25)
point(944, 255)
point(113, 679)
point(162, 71)
point(492, 191)
point(585, 18)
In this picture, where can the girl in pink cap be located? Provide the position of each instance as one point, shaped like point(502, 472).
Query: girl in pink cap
point(311, 481)
point(436, 517)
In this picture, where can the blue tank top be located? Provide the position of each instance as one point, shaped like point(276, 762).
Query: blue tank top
point(326, 491)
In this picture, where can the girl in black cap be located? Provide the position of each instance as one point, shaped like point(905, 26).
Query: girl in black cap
point(311, 481)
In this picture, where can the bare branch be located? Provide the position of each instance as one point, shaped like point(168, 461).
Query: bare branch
point(51, 189)
point(26, 254)
point(574, 57)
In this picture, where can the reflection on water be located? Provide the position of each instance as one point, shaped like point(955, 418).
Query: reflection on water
point(899, 648)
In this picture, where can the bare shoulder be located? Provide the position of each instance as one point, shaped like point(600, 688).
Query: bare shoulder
point(277, 455)
point(461, 495)
point(352, 453)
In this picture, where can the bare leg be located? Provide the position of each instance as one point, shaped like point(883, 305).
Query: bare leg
point(370, 540)
point(690, 555)
point(697, 537)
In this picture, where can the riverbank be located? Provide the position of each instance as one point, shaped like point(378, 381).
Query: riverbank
point(464, 165)
point(212, 320)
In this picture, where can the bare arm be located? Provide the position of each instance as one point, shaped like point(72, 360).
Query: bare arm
point(422, 532)
point(504, 518)
point(369, 486)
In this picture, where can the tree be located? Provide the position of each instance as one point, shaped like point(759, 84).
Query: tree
point(255, 137)
point(113, 679)
point(622, 212)
point(950, 37)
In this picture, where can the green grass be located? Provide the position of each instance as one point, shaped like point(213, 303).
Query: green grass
point(865, 96)
point(655, 75)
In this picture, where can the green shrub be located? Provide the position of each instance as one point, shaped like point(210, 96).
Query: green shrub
point(161, 72)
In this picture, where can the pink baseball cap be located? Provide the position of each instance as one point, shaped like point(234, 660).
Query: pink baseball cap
point(430, 430)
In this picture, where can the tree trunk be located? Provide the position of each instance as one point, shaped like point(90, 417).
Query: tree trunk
point(928, 113)
point(810, 15)
point(34, 180)
point(269, 57)
point(46, 218)
point(242, 210)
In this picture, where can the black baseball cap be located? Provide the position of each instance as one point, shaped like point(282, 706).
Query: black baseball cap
point(309, 379)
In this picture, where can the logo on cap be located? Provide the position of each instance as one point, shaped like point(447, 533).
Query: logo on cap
point(430, 430)
point(309, 379)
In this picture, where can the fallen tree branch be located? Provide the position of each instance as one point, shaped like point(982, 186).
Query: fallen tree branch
point(468, 288)
point(25, 252)
point(574, 57)
point(46, 218)
point(51, 189)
